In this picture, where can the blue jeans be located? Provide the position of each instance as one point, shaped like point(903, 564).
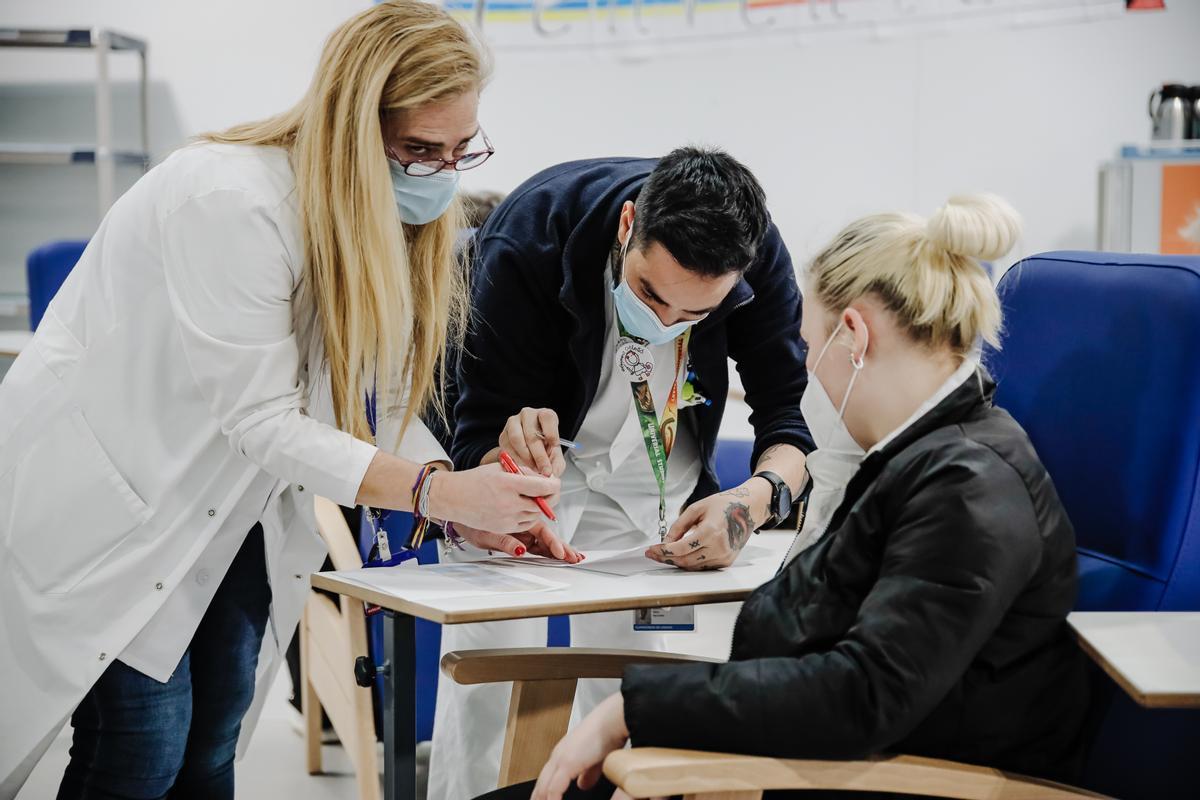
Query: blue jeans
point(137, 738)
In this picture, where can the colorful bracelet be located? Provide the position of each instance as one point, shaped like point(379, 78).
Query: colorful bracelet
point(420, 504)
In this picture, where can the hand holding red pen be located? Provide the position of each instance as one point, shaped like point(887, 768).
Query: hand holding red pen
point(511, 467)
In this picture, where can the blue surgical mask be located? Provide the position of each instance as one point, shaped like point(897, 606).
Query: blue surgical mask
point(422, 199)
point(637, 317)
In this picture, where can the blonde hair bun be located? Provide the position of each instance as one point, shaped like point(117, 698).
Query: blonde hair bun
point(981, 226)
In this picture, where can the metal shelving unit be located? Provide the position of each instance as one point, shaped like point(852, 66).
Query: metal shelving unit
point(102, 154)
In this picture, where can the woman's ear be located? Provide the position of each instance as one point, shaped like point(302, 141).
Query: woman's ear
point(856, 326)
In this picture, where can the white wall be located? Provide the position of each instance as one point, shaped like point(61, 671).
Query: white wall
point(834, 130)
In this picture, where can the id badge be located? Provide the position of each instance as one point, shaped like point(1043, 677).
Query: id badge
point(679, 618)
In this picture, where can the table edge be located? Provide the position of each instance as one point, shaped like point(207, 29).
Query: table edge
point(1140, 696)
point(399, 605)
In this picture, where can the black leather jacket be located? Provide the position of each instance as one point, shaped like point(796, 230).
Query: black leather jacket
point(928, 620)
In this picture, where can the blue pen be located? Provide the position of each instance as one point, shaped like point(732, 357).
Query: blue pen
point(562, 442)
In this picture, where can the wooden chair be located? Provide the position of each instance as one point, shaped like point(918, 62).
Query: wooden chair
point(544, 681)
point(332, 636)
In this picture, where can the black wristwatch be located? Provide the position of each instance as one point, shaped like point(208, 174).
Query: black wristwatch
point(781, 499)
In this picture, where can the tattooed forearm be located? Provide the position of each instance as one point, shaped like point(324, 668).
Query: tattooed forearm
point(737, 524)
point(771, 452)
point(737, 491)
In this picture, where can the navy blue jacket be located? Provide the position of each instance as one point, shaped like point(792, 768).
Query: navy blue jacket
point(538, 330)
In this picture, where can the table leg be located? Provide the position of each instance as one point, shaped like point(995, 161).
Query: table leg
point(399, 708)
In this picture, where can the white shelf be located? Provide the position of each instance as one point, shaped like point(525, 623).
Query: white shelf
point(62, 154)
point(77, 38)
point(103, 155)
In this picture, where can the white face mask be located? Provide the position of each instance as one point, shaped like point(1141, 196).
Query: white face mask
point(825, 420)
point(836, 459)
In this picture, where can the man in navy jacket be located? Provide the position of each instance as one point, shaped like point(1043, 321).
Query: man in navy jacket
point(590, 282)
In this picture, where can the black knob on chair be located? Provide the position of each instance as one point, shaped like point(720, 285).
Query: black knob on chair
point(364, 671)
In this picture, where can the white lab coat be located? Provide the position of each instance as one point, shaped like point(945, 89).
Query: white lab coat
point(170, 373)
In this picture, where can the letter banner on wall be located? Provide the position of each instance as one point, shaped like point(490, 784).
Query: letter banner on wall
point(651, 24)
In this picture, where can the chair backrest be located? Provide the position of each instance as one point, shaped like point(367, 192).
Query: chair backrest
point(1101, 365)
point(46, 268)
point(732, 461)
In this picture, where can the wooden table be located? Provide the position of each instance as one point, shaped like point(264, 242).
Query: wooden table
point(1153, 655)
point(586, 593)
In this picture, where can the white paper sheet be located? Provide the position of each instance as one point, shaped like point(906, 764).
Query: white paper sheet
point(439, 581)
point(623, 563)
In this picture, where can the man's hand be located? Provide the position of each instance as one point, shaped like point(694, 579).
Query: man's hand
point(538, 540)
point(531, 436)
point(712, 532)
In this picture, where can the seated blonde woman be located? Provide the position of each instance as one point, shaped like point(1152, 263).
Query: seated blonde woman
point(928, 614)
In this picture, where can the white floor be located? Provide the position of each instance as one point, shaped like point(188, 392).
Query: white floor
point(274, 764)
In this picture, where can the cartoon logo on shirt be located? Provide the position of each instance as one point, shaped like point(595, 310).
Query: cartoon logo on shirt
point(634, 360)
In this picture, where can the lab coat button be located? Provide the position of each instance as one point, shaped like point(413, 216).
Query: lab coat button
point(158, 586)
point(212, 512)
point(301, 488)
point(103, 656)
point(202, 577)
point(596, 482)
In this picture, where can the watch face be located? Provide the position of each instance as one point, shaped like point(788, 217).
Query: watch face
point(785, 502)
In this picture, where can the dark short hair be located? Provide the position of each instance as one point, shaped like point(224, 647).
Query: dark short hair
point(705, 208)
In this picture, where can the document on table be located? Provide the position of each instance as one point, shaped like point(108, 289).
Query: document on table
point(623, 563)
point(442, 581)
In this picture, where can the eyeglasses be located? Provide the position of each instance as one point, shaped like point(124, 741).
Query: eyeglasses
point(425, 167)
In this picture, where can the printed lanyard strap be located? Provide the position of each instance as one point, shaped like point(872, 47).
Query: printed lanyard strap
point(659, 438)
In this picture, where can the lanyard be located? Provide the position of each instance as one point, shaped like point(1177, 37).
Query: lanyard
point(659, 438)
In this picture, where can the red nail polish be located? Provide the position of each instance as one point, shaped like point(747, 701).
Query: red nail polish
point(520, 550)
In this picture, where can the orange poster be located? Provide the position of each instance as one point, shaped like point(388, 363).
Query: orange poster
point(1180, 209)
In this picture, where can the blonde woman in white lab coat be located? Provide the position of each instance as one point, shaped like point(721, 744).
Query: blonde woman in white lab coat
point(200, 376)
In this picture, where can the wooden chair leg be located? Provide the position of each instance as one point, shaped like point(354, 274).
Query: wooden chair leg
point(310, 704)
point(538, 715)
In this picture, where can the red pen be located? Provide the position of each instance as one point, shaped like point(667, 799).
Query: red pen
point(511, 467)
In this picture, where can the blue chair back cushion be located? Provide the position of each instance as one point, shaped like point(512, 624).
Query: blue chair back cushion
point(732, 459)
point(46, 268)
point(1101, 365)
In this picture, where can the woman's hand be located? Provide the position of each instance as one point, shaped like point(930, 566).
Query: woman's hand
point(489, 499)
point(538, 540)
point(580, 755)
point(531, 436)
point(712, 532)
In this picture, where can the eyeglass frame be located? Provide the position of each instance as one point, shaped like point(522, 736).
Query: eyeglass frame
point(488, 153)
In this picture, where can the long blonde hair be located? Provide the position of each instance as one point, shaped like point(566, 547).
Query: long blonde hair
point(928, 273)
point(388, 296)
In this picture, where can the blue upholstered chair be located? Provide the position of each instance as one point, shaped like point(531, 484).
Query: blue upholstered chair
point(1101, 365)
point(46, 269)
point(733, 461)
